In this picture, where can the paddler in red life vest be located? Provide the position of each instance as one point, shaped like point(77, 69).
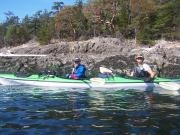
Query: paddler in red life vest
point(143, 70)
point(79, 70)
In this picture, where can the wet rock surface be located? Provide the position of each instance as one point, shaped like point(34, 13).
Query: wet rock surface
point(112, 53)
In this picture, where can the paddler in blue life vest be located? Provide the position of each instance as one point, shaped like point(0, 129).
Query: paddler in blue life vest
point(143, 70)
point(79, 70)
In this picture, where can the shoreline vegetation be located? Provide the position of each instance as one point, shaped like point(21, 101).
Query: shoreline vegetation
point(143, 21)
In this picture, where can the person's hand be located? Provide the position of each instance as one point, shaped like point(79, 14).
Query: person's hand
point(73, 70)
point(148, 79)
point(75, 65)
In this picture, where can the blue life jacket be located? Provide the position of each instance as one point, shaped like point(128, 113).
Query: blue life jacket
point(80, 71)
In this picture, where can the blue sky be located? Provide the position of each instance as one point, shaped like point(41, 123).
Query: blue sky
point(21, 8)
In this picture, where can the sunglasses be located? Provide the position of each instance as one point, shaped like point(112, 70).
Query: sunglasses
point(139, 58)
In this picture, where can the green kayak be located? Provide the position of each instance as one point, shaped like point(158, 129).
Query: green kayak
point(112, 82)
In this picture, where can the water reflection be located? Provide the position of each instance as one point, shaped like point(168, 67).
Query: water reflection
point(27, 110)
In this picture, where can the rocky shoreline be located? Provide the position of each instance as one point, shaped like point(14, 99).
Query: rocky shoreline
point(112, 53)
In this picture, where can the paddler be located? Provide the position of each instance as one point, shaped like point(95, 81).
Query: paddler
point(79, 70)
point(143, 70)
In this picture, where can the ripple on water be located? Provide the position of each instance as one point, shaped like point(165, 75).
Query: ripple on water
point(28, 110)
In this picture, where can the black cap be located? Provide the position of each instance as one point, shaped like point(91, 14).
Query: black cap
point(77, 59)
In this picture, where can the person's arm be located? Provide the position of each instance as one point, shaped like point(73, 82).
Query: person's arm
point(149, 70)
point(132, 73)
point(80, 71)
point(73, 69)
point(152, 73)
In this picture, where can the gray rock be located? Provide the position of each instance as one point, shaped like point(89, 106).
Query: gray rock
point(112, 53)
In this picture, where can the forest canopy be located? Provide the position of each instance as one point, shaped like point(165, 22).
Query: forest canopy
point(143, 20)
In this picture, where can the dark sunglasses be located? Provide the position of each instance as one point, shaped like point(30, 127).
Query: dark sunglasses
point(139, 58)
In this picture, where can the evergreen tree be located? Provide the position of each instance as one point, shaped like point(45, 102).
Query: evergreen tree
point(2, 34)
point(46, 29)
point(11, 18)
point(57, 6)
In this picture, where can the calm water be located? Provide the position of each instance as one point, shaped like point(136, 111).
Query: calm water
point(26, 110)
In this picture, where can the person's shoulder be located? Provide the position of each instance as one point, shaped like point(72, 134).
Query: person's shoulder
point(82, 65)
point(146, 66)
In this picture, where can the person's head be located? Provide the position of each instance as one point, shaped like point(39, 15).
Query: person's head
point(77, 60)
point(139, 58)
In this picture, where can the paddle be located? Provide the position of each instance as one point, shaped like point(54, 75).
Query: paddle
point(110, 73)
point(99, 80)
point(170, 86)
point(105, 70)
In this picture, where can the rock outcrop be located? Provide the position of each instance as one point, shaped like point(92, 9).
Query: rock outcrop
point(112, 53)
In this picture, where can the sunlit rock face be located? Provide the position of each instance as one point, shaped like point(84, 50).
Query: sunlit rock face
point(113, 53)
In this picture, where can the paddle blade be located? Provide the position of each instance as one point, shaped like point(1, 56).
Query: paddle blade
point(170, 86)
point(97, 81)
point(105, 70)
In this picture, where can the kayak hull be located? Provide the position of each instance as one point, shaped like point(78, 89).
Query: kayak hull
point(84, 85)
